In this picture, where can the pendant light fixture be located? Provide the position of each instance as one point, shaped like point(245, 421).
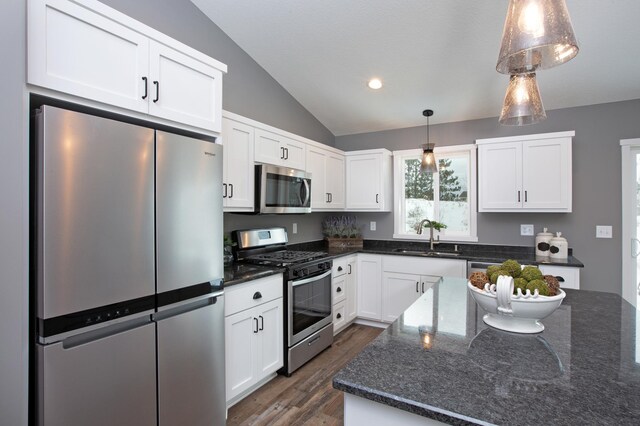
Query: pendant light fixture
point(537, 35)
point(522, 103)
point(428, 163)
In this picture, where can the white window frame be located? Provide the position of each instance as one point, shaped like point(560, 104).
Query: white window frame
point(398, 193)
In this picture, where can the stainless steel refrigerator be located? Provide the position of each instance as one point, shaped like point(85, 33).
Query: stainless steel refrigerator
point(130, 305)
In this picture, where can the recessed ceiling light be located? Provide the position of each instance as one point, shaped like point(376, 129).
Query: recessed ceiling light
point(374, 83)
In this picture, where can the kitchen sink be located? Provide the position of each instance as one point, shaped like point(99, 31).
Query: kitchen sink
point(426, 253)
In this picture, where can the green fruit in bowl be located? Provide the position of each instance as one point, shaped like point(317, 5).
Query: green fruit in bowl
point(531, 273)
point(513, 267)
point(540, 285)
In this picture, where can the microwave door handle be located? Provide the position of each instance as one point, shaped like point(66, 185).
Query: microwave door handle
point(307, 191)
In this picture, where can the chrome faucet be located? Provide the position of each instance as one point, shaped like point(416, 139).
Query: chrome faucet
point(429, 223)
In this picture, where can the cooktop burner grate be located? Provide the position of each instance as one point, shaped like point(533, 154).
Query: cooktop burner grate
point(285, 257)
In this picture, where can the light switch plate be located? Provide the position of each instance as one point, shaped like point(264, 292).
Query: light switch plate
point(372, 226)
point(526, 230)
point(604, 231)
point(294, 228)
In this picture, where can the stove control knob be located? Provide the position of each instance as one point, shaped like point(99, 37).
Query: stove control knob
point(305, 271)
point(296, 273)
point(321, 266)
point(327, 265)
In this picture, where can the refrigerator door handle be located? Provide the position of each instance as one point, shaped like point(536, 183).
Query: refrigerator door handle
point(101, 333)
point(187, 306)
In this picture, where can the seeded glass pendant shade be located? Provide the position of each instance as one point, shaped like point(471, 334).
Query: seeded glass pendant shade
point(428, 163)
point(537, 35)
point(522, 103)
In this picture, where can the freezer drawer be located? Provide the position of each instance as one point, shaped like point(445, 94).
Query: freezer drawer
point(104, 382)
point(191, 379)
point(188, 211)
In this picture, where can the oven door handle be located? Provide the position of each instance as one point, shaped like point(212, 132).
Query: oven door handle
point(310, 279)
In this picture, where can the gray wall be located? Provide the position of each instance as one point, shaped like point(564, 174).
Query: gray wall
point(248, 89)
point(13, 216)
point(309, 225)
point(596, 182)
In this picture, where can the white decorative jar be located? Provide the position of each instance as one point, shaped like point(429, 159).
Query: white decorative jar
point(559, 249)
point(543, 243)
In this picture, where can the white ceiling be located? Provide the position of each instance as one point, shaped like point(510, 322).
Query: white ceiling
point(438, 54)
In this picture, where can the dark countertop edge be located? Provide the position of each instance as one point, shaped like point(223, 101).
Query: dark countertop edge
point(469, 252)
point(409, 406)
point(254, 275)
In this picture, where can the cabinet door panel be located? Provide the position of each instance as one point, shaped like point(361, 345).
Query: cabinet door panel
point(363, 182)
point(399, 291)
point(238, 140)
point(271, 338)
point(240, 352)
point(545, 174)
point(500, 178)
point(335, 172)
point(351, 306)
point(316, 165)
point(76, 51)
point(268, 148)
point(295, 154)
point(369, 287)
point(187, 90)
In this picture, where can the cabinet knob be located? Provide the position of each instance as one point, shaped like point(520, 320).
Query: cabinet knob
point(338, 290)
point(560, 279)
point(339, 316)
point(339, 268)
point(257, 295)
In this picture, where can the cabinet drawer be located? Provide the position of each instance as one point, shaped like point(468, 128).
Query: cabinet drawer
point(339, 267)
point(569, 277)
point(339, 286)
point(339, 317)
point(252, 293)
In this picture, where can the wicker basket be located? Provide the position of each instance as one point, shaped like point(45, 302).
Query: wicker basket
point(343, 242)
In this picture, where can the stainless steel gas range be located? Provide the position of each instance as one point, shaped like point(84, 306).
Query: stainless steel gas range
point(308, 315)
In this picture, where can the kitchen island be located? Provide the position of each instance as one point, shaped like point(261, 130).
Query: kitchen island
point(439, 362)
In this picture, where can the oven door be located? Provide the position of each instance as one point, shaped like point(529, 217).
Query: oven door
point(283, 190)
point(309, 306)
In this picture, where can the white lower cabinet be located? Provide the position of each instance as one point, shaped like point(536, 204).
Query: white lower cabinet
point(253, 334)
point(568, 276)
point(370, 286)
point(405, 279)
point(344, 292)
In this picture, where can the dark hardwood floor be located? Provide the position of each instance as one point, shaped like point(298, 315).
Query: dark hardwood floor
point(307, 397)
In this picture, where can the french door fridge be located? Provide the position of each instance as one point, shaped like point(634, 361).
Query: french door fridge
point(130, 306)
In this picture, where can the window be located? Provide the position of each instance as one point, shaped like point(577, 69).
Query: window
point(448, 196)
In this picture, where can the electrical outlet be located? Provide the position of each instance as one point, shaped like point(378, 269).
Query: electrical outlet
point(372, 226)
point(294, 228)
point(604, 231)
point(526, 230)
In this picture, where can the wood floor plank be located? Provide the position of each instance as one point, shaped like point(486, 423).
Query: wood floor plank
point(307, 397)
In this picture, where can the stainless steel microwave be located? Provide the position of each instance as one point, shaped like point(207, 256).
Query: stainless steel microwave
point(282, 190)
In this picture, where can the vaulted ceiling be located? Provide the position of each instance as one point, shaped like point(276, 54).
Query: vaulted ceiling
point(438, 54)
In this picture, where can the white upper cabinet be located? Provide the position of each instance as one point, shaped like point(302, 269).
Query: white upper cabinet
point(238, 170)
point(369, 180)
point(86, 49)
point(184, 89)
point(279, 150)
point(327, 176)
point(525, 173)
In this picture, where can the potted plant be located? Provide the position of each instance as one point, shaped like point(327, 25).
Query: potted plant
point(342, 231)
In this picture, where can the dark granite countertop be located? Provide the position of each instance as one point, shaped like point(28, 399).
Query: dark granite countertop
point(441, 361)
point(238, 273)
point(470, 252)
